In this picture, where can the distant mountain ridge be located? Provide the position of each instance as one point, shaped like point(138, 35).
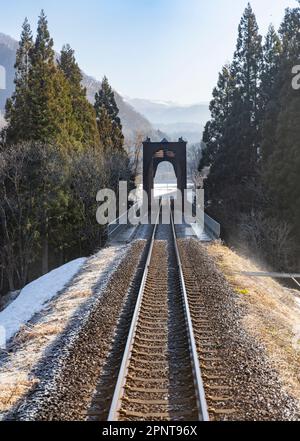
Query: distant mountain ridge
point(132, 120)
point(191, 132)
point(174, 119)
point(167, 112)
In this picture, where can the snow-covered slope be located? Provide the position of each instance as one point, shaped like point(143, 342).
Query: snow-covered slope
point(34, 296)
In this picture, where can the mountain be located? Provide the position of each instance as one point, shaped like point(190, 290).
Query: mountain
point(174, 119)
point(132, 120)
point(190, 131)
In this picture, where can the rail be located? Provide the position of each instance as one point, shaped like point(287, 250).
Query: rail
point(199, 387)
point(114, 226)
point(124, 366)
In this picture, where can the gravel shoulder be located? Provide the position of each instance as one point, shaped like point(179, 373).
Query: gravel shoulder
point(257, 391)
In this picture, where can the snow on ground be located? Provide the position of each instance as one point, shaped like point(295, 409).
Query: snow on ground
point(164, 190)
point(34, 296)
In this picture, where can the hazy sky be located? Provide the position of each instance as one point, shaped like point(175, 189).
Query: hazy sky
point(157, 49)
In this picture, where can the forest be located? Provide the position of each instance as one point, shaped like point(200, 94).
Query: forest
point(57, 151)
point(253, 144)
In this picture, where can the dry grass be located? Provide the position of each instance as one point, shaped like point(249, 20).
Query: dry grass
point(27, 349)
point(12, 388)
point(42, 331)
point(273, 313)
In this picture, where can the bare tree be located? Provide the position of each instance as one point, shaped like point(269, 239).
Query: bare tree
point(135, 153)
point(32, 177)
point(48, 205)
point(193, 160)
point(88, 176)
point(266, 238)
point(18, 226)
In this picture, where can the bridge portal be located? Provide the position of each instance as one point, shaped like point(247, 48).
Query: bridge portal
point(156, 152)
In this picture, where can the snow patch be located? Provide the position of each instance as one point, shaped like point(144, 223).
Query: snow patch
point(34, 296)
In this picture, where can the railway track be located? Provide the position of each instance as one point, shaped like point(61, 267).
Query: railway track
point(160, 377)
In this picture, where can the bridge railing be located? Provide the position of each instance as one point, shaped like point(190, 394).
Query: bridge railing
point(212, 226)
point(118, 223)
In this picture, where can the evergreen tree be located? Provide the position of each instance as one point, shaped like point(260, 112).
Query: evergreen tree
point(289, 32)
point(215, 136)
point(232, 135)
point(85, 126)
point(220, 108)
point(268, 91)
point(272, 51)
point(106, 130)
point(109, 123)
point(255, 108)
point(18, 108)
point(51, 117)
point(50, 101)
point(282, 164)
point(247, 66)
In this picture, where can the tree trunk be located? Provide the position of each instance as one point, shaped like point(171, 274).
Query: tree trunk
point(61, 257)
point(45, 255)
point(10, 279)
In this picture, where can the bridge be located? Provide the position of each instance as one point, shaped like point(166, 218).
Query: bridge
point(175, 153)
